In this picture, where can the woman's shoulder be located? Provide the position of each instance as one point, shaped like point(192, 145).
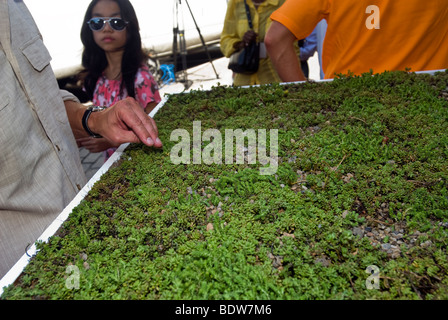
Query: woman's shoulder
point(144, 68)
point(143, 71)
point(143, 76)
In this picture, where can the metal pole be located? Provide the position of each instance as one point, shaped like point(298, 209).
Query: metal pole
point(202, 39)
point(183, 44)
point(175, 33)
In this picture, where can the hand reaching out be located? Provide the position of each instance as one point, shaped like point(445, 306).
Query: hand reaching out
point(124, 122)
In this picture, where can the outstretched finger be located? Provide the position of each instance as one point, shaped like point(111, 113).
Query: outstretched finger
point(141, 127)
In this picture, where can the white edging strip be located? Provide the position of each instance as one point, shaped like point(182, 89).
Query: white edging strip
point(17, 269)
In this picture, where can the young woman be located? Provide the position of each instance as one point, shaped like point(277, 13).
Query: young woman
point(114, 62)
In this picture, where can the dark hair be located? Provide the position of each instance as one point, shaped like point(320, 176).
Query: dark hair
point(94, 59)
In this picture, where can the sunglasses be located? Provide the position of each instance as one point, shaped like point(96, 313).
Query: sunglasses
point(97, 24)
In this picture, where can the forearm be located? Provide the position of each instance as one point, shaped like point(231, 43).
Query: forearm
point(279, 44)
point(287, 65)
point(75, 112)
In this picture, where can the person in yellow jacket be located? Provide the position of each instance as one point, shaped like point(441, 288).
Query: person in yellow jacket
point(236, 34)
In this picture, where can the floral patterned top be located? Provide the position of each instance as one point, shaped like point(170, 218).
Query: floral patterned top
point(146, 89)
point(107, 93)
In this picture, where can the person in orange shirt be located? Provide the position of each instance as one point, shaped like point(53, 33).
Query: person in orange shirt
point(362, 35)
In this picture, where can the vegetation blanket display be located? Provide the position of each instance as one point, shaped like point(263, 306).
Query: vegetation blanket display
point(338, 192)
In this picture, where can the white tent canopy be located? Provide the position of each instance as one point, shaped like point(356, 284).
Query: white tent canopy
point(60, 21)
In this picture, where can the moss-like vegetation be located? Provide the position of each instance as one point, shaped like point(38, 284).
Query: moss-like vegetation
point(361, 185)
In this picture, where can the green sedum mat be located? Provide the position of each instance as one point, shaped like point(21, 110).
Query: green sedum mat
point(357, 207)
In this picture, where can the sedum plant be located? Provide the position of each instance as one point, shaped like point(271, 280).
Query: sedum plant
point(357, 207)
